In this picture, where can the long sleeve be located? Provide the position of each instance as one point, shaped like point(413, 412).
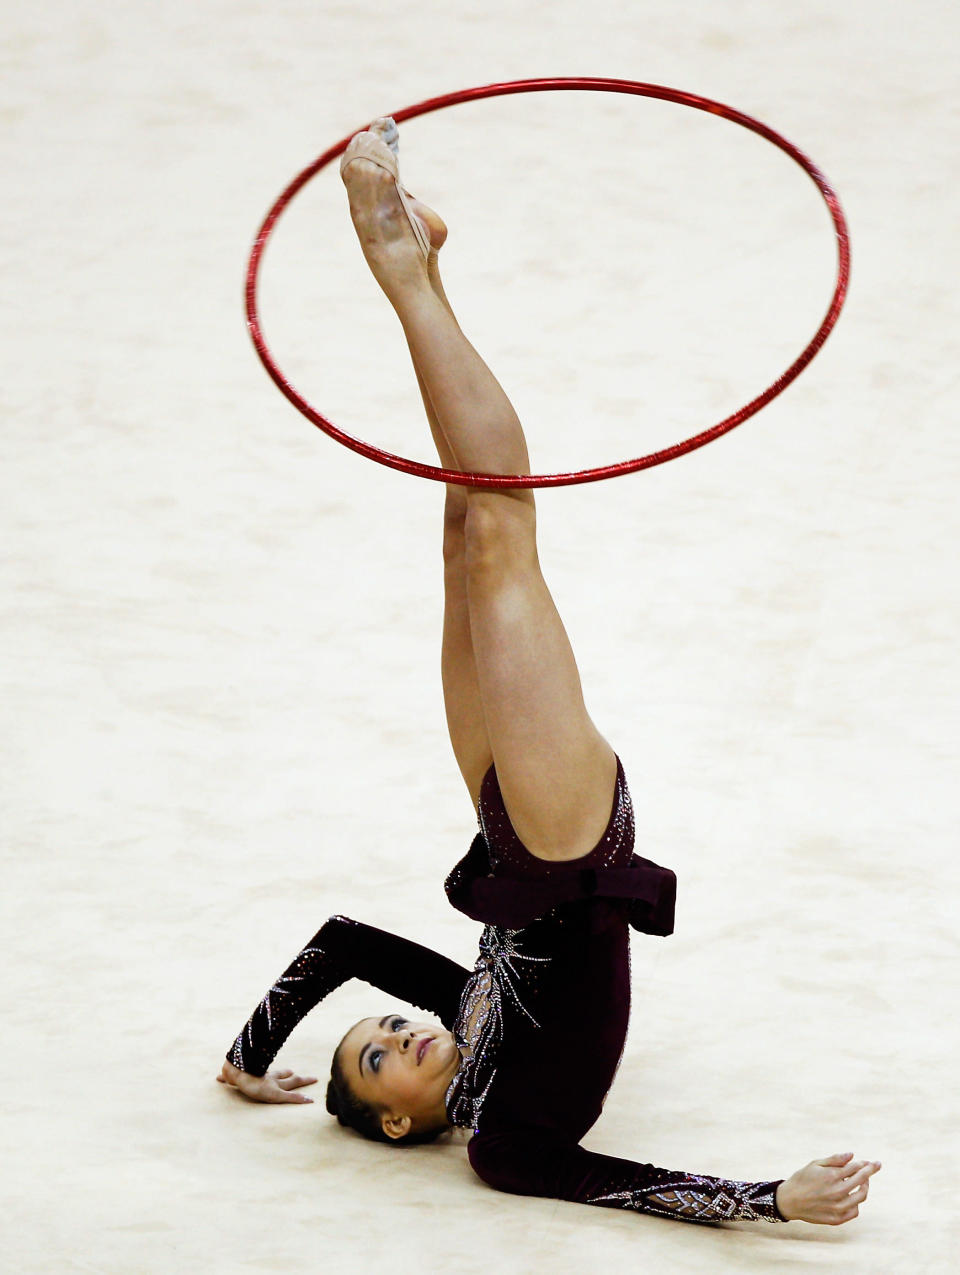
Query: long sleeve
point(340, 950)
point(533, 1162)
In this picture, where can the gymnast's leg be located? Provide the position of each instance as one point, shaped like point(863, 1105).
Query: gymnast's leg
point(556, 770)
point(461, 691)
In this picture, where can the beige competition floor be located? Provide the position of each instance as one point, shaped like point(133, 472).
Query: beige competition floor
point(221, 713)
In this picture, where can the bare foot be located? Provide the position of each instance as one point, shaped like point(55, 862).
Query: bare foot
point(380, 219)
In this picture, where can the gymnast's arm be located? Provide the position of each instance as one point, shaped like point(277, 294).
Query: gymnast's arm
point(534, 1162)
point(340, 950)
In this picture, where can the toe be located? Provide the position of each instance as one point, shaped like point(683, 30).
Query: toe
point(386, 129)
point(368, 152)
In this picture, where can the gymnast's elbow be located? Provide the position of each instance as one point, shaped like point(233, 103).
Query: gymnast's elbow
point(503, 1162)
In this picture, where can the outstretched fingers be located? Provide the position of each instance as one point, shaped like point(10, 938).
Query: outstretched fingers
point(289, 1080)
point(275, 1086)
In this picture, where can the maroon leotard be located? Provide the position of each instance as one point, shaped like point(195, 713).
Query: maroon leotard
point(540, 1021)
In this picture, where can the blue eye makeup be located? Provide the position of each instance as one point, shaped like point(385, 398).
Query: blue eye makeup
point(375, 1054)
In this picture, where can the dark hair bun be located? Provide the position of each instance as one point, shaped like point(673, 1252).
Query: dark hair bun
point(333, 1105)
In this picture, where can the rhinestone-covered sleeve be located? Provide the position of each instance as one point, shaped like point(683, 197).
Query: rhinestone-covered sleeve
point(531, 1163)
point(340, 950)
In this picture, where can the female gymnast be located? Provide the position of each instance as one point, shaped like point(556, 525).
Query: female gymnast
point(532, 1036)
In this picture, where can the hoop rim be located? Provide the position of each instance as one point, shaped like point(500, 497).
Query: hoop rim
point(597, 473)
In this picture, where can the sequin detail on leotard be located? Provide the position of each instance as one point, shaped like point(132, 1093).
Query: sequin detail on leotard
point(700, 1198)
point(508, 853)
point(492, 988)
point(497, 982)
point(312, 976)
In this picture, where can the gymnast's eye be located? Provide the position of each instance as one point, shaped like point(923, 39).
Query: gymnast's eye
point(395, 1025)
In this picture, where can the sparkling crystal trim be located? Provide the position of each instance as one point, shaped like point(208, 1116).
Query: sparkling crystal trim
point(284, 1005)
point(699, 1198)
point(491, 990)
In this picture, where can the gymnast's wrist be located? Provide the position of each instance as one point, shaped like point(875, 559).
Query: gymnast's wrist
point(257, 1067)
point(781, 1198)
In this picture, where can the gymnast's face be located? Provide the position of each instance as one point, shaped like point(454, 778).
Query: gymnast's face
point(402, 1067)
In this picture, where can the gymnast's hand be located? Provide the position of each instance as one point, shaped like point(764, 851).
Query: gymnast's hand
point(828, 1191)
point(275, 1086)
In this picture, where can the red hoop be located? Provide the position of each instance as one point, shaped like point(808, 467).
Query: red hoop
point(584, 475)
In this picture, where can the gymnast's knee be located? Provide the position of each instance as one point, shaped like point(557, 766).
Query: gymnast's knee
point(454, 519)
point(499, 533)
